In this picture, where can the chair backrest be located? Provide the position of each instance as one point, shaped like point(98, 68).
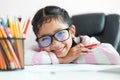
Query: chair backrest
point(106, 28)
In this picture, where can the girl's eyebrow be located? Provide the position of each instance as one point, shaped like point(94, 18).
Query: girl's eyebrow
point(57, 30)
point(48, 34)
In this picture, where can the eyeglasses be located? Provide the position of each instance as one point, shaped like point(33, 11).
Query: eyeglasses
point(60, 36)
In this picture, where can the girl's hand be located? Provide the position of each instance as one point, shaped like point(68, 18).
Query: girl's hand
point(74, 53)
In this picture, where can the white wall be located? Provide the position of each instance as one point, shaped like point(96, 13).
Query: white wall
point(27, 8)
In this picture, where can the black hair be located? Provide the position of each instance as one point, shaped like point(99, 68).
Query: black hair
point(46, 14)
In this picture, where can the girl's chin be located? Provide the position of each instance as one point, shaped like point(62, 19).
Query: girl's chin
point(61, 55)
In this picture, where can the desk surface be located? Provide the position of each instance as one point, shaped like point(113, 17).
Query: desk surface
point(64, 72)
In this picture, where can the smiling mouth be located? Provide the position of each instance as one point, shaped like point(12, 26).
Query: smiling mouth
point(58, 51)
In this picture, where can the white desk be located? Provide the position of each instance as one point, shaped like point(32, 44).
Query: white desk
point(64, 72)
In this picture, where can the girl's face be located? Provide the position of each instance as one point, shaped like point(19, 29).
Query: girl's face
point(59, 48)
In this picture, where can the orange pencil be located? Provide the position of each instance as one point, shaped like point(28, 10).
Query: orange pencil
point(7, 62)
point(2, 61)
point(10, 47)
point(7, 52)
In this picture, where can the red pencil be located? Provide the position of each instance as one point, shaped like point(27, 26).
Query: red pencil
point(90, 46)
point(26, 26)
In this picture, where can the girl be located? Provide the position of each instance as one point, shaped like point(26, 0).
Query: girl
point(57, 42)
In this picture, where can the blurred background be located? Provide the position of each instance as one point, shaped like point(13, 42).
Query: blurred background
point(27, 8)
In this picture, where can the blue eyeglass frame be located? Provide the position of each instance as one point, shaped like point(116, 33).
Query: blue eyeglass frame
point(37, 39)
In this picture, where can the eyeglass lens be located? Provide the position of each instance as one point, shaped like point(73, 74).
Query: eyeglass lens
point(59, 36)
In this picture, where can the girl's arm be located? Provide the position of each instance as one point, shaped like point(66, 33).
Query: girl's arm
point(102, 54)
point(86, 40)
point(33, 57)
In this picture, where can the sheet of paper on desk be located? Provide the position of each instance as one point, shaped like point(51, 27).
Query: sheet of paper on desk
point(69, 67)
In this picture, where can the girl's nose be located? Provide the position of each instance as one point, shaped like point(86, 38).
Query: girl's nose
point(55, 43)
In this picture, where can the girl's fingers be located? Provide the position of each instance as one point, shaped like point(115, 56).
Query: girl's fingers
point(85, 49)
point(80, 49)
point(81, 45)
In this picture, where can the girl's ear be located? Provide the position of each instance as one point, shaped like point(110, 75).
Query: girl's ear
point(72, 30)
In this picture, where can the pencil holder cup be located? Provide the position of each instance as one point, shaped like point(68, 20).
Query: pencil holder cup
point(11, 53)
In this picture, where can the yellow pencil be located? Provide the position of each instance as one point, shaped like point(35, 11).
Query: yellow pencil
point(18, 42)
point(11, 28)
point(18, 28)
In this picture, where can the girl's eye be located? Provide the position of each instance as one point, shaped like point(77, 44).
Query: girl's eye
point(60, 33)
point(45, 39)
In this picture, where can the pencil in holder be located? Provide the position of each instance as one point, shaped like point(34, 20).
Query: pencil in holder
point(11, 53)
